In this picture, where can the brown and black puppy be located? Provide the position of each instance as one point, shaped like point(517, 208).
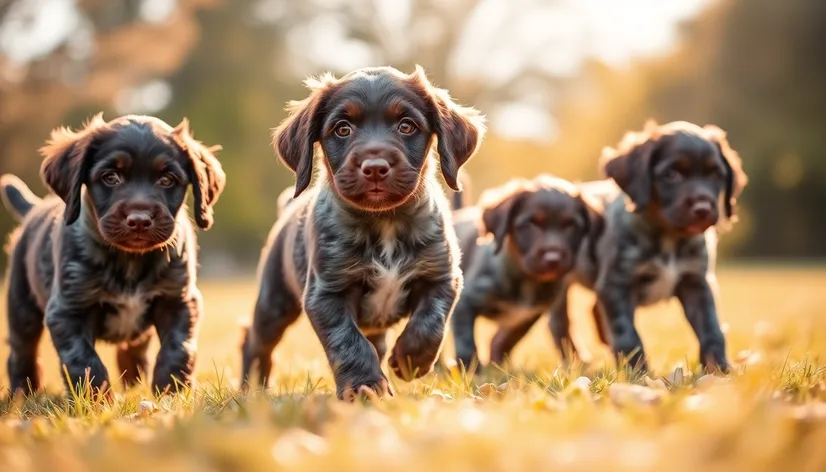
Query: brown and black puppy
point(672, 185)
point(538, 227)
point(113, 256)
point(372, 241)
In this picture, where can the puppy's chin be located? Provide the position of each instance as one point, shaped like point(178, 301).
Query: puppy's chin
point(136, 246)
point(549, 276)
point(691, 229)
point(377, 201)
point(544, 274)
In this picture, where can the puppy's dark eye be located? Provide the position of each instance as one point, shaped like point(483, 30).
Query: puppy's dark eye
point(343, 129)
point(672, 176)
point(406, 126)
point(717, 174)
point(166, 180)
point(111, 178)
point(567, 224)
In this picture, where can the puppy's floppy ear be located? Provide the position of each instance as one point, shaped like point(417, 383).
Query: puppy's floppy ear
point(66, 162)
point(630, 164)
point(736, 178)
point(294, 139)
point(459, 130)
point(206, 174)
point(498, 208)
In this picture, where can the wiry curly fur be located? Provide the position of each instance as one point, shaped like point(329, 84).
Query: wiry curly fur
point(538, 226)
point(671, 187)
point(75, 264)
point(359, 253)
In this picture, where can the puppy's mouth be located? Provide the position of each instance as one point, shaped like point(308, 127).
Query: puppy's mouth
point(137, 243)
point(375, 196)
point(377, 193)
point(549, 267)
point(696, 227)
point(125, 240)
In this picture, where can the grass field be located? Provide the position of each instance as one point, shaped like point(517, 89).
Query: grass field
point(770, 415)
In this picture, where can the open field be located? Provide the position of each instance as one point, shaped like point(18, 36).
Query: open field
point(770, 416)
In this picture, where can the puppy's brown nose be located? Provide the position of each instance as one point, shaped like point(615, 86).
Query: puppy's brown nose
point(138, 222)
point(702, 210)
point(552, 258)
point(375, 169)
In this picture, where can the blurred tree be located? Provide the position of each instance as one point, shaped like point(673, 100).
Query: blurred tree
point(748, 66)
point(251, 61)
point(230, 66)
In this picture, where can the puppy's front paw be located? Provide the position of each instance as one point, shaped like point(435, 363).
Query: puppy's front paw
point(715, 362)
point(409, 366)
point(372, 390)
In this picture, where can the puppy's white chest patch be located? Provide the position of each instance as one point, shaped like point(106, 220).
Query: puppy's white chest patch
point(387, 290)
point(127, 321)
point(663, 285)
point(661, 277)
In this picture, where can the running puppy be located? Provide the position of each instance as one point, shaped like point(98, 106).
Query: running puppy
point(538, 226)
point(671, 183)
point(372, 241)
point(114, 256)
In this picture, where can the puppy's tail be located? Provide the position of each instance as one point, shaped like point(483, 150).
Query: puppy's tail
point(462, 198)
point(285, 198)
point(17, 198)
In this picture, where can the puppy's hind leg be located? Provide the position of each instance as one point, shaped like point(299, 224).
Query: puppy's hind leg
point(275, 310)
point(25, 323)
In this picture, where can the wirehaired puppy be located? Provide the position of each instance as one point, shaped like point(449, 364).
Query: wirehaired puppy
point(372, 241)
point(538, 226)
point(113, 256)
point(671, 187)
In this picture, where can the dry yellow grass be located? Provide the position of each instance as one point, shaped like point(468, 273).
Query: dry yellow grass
point(768, 416)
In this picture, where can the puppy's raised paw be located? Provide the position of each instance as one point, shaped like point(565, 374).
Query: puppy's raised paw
point(408, 366)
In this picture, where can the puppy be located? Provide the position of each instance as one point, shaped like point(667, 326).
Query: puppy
point(372, 241)
point(538, 227)
point(113, 257)
point(670, 186)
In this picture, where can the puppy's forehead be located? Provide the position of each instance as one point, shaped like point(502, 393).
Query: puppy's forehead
point(689, 145)
point(377, 91)
point(551, 201)
point(140, 138)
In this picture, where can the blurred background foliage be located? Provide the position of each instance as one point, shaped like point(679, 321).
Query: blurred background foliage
point(558, 79)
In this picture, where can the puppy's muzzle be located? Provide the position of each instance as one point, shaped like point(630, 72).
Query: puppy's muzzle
point(701, 212)
point(137, 226)
point(377, 161)
point(375, 170)
point(551, 263)
point(139, 221)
